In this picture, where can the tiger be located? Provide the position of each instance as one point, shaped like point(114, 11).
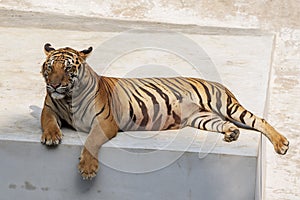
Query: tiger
point(102, 106)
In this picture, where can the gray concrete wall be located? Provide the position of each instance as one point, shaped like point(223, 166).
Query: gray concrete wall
point(36, 172)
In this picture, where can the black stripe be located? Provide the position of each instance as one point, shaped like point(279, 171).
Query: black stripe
point(55, 103)
point(82, 69)
point(163, 95)
point(97, 114)
point(87, 104)
point(49, 106)
point(69, 54)
point(86, 91)
point(199, 96)
point(58, 121)
point(194, 121)
point(108, 114)
point(208, 120)
point(207, 115)
point(218, 127)
point(242, 116)
point(134, 86)
point(109, 91)
point(253, 123)
point(176, 93)
point(219, 102)
point(131, 120)
point(251, 115)
point(63, 110)
point(229, 102)
point(144, 111)
point(155, 103)
point(176, 118)
point(170, 126)
point(59, 53)
point(213, 89)
point(125, 90)
point(160, 92)
point(108, 88)
point(208, 95)
point(212, 125)
point(199, 125)
point(235, 109)
point(180, 83)
point(131, 113)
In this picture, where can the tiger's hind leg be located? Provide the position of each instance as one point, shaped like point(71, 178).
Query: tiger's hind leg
point(212, 122)
point(240, 114)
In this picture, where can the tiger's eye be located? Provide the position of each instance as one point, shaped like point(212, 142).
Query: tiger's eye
point(49, 67)
point(68, 68)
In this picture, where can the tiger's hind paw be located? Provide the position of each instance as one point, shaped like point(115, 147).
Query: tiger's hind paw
point(232, 134)
point(282, 145)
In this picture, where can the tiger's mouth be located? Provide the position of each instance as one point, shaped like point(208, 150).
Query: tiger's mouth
point(58, 92)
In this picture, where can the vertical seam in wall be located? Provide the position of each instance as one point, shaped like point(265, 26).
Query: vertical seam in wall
point(265, 115)
point(267, 100)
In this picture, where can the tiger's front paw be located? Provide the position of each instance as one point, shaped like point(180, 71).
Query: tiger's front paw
point(51, 137)
point(88, 165)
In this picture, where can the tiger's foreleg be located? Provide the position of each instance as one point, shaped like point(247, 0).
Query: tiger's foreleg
point(101, 132)
point(50, 125)
point(213, 122)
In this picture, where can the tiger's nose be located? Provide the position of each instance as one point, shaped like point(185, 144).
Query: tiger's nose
point(55, 85)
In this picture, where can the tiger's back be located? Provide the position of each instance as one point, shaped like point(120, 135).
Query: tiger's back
point(160, 103)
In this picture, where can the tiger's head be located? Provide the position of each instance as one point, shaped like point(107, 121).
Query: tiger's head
point(61, 69)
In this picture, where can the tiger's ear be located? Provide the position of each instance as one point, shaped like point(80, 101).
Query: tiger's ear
point(48, 49)
point(85, 53)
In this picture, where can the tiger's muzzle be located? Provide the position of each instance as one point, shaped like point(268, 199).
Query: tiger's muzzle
point(57, 91)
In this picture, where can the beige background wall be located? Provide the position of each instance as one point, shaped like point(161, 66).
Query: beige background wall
point(265, 14)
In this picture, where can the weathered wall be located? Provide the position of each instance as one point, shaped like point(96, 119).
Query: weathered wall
point(266, 14)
